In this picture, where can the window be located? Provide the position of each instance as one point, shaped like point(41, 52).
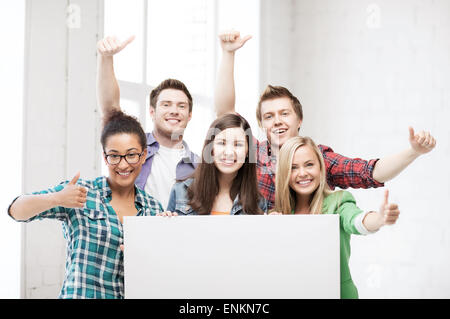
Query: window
point(178, 39)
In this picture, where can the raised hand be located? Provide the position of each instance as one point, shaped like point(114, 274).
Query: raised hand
point(111, 45)
point(231, 40)
point(72, 196)
point(422, 142)
point(389, 212)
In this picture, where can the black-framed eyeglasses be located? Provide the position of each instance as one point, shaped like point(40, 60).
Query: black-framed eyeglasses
point(130, 158)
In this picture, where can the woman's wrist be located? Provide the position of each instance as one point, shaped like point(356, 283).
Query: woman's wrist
point(373, 221)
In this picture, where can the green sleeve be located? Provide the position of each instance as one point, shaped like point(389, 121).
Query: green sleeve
point(348, 211)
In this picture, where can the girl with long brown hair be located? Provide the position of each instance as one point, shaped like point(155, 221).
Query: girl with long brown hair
point(225, 182)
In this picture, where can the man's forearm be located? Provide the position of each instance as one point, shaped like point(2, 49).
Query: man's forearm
point(108, 92)
point(389, 167)
point(224, 97)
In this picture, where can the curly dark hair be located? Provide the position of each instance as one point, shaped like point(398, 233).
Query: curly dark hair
point(117, 122)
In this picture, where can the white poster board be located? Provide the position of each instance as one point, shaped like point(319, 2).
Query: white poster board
point(238, 257)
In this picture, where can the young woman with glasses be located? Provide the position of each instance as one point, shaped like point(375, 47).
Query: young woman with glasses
point(92, 212)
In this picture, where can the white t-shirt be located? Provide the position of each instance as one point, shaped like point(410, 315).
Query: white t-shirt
point(163, 173)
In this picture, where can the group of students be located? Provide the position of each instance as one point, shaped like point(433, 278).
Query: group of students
point(156, 174)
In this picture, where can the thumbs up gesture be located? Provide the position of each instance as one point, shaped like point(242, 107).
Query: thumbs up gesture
point(111, 45)
point(422, 142)
point(388, 211)
point(73, 195)
point(231, 40)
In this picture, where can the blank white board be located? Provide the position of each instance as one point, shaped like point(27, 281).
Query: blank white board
point(240, 257)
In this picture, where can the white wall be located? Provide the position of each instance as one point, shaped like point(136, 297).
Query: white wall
point(361, 79)
point(364, 71)
point(277, 26)
point(247, 21)
point(12, 16)
point(60, 120)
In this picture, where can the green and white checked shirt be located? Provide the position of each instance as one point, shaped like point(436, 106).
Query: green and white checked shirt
point(94, 266)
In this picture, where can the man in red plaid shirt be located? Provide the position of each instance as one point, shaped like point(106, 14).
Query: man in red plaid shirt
point(280, 114)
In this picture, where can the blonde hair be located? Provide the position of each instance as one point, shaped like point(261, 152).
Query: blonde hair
point(285, 197)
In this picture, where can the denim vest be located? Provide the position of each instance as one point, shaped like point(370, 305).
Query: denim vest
point(178, 201)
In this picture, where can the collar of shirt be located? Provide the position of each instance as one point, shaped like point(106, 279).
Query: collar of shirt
point(153, 146)
point(105, 191)
point(264, 154)
point(235, 209)
point(185, 168)
point(264, 147)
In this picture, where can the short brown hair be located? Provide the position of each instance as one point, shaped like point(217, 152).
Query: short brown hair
point(273, 92)
point(169, 84)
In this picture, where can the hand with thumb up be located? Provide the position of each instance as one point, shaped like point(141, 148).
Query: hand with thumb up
point(112, 45)
point(73, 195)
point(231, 40)
point(389, 212)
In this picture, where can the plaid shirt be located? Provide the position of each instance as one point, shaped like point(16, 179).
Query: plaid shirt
point(94, 265)
point(341, 171)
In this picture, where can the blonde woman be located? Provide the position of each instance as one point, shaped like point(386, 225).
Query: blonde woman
point(301, 188)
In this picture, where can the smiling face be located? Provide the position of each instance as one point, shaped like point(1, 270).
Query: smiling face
point(305, 172)
point(279, 120)
point(171, 113)
point(124, 174)
point(230, 150)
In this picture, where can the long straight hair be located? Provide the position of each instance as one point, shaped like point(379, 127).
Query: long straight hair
point(205, 187)
point(285, 196)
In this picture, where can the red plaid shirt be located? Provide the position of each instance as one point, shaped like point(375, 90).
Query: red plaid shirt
point(341, 171)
